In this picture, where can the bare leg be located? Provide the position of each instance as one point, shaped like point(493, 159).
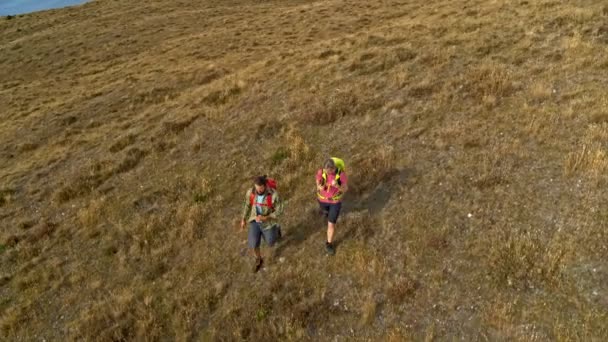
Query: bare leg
point(330, 232)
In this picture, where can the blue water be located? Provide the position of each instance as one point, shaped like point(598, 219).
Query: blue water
point(11, 7)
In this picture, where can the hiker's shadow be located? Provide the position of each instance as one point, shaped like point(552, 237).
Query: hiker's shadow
point(298, 233)
point(361, 209)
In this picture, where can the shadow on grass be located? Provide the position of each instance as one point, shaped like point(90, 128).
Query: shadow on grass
point(357, 218)
point(301, 232)
point(361, 212)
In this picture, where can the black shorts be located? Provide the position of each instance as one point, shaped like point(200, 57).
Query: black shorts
point(332, 210)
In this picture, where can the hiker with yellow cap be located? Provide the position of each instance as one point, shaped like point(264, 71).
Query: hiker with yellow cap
point(332, 184)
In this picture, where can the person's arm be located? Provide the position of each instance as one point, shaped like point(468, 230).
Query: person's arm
point(277, 204)
point(343, 187)
point(319, 179)
point(246, 209)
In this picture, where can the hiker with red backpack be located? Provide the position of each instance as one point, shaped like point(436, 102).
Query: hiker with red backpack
point(331, 186)
point(261, 208)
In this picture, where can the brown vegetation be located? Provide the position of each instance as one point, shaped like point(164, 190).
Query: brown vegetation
point(474, 132)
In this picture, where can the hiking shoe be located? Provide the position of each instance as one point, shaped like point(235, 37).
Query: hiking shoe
point(257, 265)
point(329, 248)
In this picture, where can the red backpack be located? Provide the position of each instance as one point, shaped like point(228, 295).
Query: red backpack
point(270, 183)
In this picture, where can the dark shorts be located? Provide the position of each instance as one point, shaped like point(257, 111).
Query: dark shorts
point(254, 237)
point(332, 210)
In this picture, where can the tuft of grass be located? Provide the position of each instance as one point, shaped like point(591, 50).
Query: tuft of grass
point(523, 261)
point(327, 107)
point(27, 224)
point(540, 91)
point(423, 89)
point(92, 214)
point(13, 318)
point(228, 90)
point(600, 117)
point(487, 83)
point(369, 311)
point(175, 127)
point(24, 282)
point(591, 157)
point(6, 196)
point(131, 160)
point(89, 178)
point(405, 54)
point(114, 320)
point(262, 313)
point(361, 225)
point(402, 289)
point(204, 191)
point(593, 160)
point(191, 219)
point(73, 188)
point(27, 147)
point(279, 156)
point(370, 171)
point(12, 240)
point(328, 53)
point(123, 142)
point(43, 230)
point(398, 335)
point(200, 197)
point(300, 151)
point(5, 279)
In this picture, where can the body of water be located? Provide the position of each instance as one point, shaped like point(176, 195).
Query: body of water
point(12, 7)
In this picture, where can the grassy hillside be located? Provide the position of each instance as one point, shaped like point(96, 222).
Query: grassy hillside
point(475, 135)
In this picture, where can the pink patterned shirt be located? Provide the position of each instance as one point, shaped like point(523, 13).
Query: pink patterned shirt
point(330, 191)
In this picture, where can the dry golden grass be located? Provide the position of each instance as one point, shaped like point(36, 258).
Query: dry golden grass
point(474, 133)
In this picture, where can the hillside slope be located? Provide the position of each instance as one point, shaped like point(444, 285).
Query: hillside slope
point(475, 135)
